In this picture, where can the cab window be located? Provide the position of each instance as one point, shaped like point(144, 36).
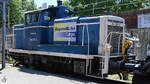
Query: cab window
point(52, 13)
point(35, 17)
point(32, 18)
point(46, 17)
point(28, 18)
point(49, 14)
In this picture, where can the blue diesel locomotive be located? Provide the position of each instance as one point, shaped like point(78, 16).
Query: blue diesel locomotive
point(53, 40)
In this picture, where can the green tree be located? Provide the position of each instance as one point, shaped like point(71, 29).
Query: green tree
point(96, 7)
point(16, 12)
point(67, 3)
point(16, 9)
point(28, 5)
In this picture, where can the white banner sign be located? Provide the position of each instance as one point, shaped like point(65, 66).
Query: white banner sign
point(65, 31)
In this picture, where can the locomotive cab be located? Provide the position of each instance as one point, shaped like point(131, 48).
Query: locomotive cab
point(36, 26)
point(44, 16)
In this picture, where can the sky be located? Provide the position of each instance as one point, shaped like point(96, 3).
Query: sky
point(49, 2)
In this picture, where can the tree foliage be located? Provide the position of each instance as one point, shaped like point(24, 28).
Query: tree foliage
point(17, 9)
point(96, 7)
point(28, 5)
point(16, 12)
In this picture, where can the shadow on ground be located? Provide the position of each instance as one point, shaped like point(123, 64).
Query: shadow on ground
point(31, 71)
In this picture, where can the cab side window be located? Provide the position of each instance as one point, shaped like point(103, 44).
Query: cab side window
point(32, 18)
point(49, 14)
point(35, 17)
point(28, 20)
point(52, 13)
point(46, 17)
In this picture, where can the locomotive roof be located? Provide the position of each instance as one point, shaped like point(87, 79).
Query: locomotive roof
point(35, 11)
point(39, 10)
point(93, 17)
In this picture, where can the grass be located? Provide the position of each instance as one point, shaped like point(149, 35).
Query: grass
point(116, 77)
point(7, 58)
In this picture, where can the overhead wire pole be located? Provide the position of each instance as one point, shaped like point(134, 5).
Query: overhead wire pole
point(3, 32)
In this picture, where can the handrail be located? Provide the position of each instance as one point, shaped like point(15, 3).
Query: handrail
point(110, 34)
point(110, 38)
point(69, 40)
point(86, 26)
point(83, 36)
point(104, 42)
point(87, 62)
point(119, 45)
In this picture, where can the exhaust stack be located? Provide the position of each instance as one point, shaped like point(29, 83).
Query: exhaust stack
point(59, 2)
